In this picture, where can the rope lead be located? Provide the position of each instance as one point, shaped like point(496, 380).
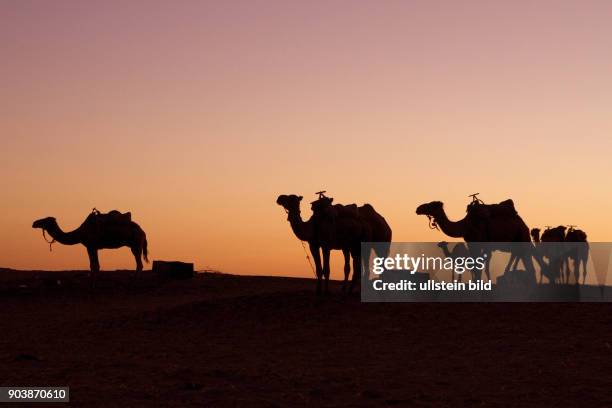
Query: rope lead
point(48, 242)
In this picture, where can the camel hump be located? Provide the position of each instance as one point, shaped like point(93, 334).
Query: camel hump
point(113, 217)
point(503, 209)
point(347, 211)
point(556, 234)
point(367, 209)
point(576, 236)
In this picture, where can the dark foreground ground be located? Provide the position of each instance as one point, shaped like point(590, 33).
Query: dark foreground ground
point(222, 340)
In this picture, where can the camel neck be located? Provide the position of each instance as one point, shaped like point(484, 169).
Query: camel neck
point(301, 229)
point(446, 252)
point(65, 238)
point(454, 229)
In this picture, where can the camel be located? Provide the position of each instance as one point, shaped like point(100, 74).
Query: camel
point(339, 226)
point(551, 247)
point(535, 236)
point(336, 227)
point(495, 224)
point(305, 231)
point(349, 226)
point(101, 231)
point(578, 250)
point(459, 251)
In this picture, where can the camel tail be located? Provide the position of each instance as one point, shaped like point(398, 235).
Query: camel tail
point(145, 251)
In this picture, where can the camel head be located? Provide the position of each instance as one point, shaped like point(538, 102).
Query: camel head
point(44, 223)
point(432, 209)
point(290, 203)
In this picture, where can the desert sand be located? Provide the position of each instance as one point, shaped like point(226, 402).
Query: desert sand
point(224, 340)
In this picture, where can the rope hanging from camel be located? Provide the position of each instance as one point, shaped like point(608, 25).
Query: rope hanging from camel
point(432, 223)
point(305, 251)
point(47, 241)
point(308, 258)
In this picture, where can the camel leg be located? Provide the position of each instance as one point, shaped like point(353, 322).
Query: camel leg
point(530, 268)
point(584, 270)
point(516, 262)
point(347, 268)
point(514, 259)
point(564, 278)
point(316, 257)
point(356, 254)
point(137, 255)
point(541, 276)
point(539, 259)
point(326, 252)
point(577, 270)
point(554, 268)
point(488, 265)
point(94, 265)
point(476, 252)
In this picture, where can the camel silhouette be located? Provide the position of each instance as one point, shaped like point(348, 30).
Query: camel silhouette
point(487, 223)
point(305, 231)
point(578, 250)
point(459, 251)
point(555, 252)
point(337, 227)
point(575, 247)
point(101, 231)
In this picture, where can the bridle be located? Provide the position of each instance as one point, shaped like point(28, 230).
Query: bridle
point(432, 222)
point(47, 241)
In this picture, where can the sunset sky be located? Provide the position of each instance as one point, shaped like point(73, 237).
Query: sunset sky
point(196, 115)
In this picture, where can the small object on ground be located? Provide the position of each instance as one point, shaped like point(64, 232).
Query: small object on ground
point(27, 357)
point(174, 269)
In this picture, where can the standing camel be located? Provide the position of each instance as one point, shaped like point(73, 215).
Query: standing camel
point(101, 231)
point(337, 227)
point(305, 231)
point(374, 227)
point(552, 247)
point(459, 251)
point(495, 224)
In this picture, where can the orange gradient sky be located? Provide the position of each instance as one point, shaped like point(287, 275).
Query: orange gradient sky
point(195, 115)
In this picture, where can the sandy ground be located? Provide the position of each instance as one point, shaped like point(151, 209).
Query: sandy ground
point(223, 340)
